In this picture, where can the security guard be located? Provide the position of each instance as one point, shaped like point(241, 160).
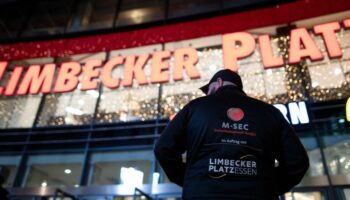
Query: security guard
point(236, 147)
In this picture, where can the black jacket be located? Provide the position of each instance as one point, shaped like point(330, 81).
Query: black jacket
point(231, 143)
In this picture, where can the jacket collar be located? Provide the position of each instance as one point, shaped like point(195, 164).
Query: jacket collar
point(231, 88)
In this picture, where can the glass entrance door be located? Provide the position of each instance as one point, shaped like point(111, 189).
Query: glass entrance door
point(315, 195)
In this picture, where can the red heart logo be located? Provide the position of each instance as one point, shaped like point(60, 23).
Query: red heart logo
point(235, 114)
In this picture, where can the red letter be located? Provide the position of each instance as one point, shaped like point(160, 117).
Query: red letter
point(106, 76)
point(34, 79)
point(269, 61)
point(3, 66)
point(185, 58)
point(296, 52)
point(329, 38)
point(135, 69)
point(89, 73)
point(158, 74)
point(14, 78)
point(347, 23)
point(67, 79)
point(232, 52)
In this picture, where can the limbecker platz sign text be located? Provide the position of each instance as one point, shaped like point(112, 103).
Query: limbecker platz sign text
point(35, 79)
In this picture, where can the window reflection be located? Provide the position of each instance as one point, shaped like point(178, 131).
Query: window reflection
point(134, 103)
point(181, 8)
point(347, 193)
point(19, 111)
point(128, 168)
point(305, 196)
point(338, 154)
point(53, 170)
point(99, 14)
point(8, 172)
point(45, 175)
point(131, 173)
point(138, 11)
point(316, 166)
point(330, 78)
point(70, 108)
point(48, 18)
point(74, 108)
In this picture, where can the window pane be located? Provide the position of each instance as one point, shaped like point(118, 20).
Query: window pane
point(134, 103)
point(8, 167)
point(128, 168)
point(108, 173)
point(316, 166)
point(227, 4)
point(71, 108)
point(48, 18)
point(54, 170)
point(181, 8)
point(347, 193)
point(138, 11)
point(42, 175)
point(18, 112)
point(8, 172)
point(12, 18)
point(330, 78)
point(99, 14)
point(337, 152)
point(305, 195)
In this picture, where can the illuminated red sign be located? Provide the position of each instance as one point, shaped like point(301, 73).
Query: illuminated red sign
point(38, 79)
point(235, 46)
point(240, 45)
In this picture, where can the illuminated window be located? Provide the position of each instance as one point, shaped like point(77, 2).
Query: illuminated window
point(129, 168)
point(70, 108)
point(53, 170)
point(138, 11)
point(99, 14)
point(19, 111)
point(134, 103)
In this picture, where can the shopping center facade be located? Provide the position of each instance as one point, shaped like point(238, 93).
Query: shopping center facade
point(82, 108)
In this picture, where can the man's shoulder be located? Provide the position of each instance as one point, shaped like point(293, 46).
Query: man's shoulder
point(204, 100)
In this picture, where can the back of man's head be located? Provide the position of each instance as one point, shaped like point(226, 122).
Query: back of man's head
point(227, 76)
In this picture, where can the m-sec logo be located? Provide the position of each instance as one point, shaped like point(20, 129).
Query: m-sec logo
point(235, 114)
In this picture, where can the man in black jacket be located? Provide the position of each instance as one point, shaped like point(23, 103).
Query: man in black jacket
point(236, 147)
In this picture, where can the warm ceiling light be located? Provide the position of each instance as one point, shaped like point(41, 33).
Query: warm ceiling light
point(74, 111)
point(44, 184)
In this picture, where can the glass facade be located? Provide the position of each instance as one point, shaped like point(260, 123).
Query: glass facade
point(118, 168)
point(53, 170)
point(57, 15)
point(138, 12)
point(115, 129)
point(97, 14)
point(46, 18)
point(320, 81)
point(8, 169)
